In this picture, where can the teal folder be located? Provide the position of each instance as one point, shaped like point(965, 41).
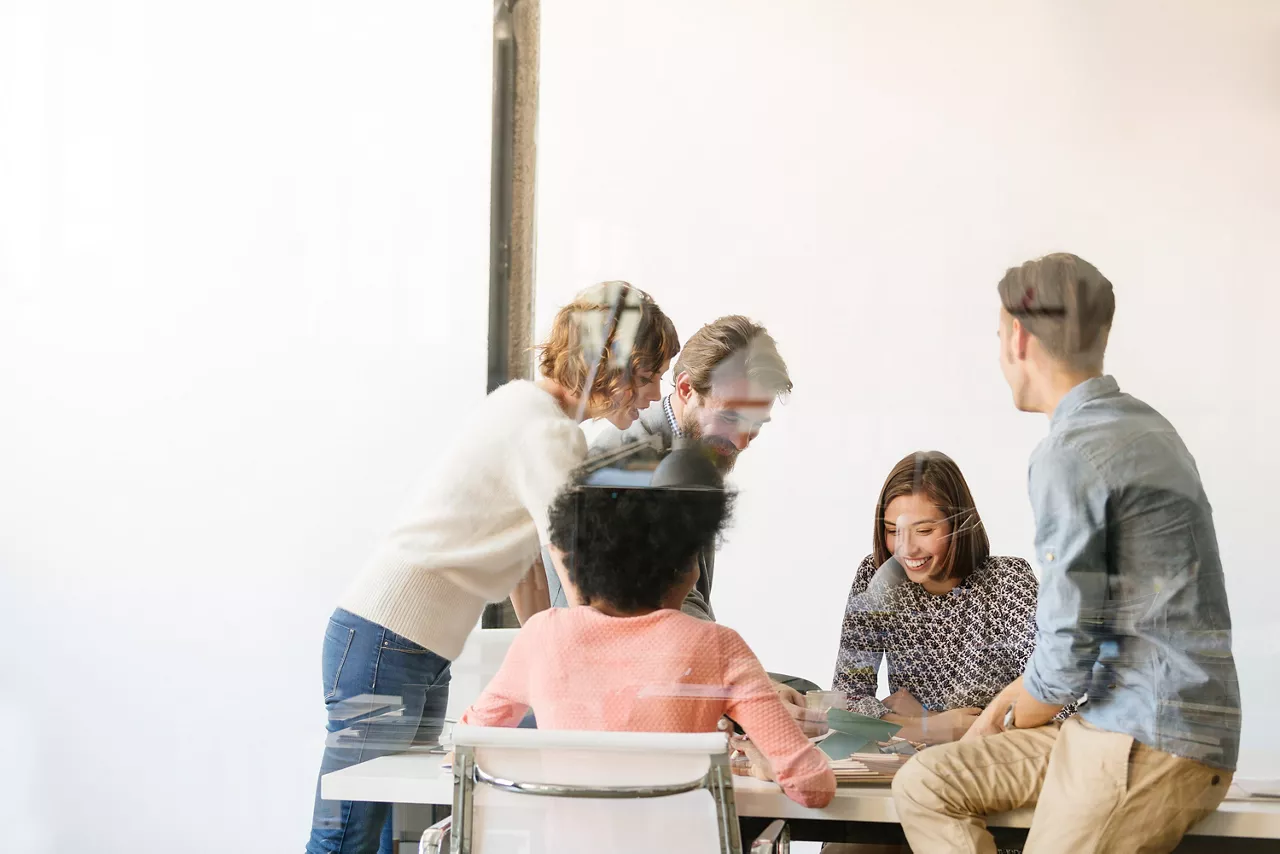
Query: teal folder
point(853, 733)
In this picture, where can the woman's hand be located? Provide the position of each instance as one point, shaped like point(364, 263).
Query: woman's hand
point(947, 726)
point(936, 728)
point(760, 767)
point(812, 721)
point(902, 702)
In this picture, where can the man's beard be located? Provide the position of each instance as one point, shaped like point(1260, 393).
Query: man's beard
point(722, 452)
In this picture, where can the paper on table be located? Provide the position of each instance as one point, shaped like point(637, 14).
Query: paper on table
point(361, 706)
point(853, 733)
point(1255, 788)
point(867, 767)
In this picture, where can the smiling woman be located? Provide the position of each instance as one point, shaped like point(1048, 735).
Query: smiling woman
point(956, 630)
point(926, 516)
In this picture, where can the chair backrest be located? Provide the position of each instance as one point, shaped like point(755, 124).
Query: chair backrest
point(535, 791)
point(475, 666)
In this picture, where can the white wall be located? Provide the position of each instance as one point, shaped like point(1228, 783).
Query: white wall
point(858, 176)
point(243, 283)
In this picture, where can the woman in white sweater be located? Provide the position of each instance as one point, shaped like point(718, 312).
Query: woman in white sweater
point(473, 535)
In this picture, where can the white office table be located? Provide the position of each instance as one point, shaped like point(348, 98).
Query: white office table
point(417, 778)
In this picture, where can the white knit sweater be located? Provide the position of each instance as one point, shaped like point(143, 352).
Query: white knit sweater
point(476, 526)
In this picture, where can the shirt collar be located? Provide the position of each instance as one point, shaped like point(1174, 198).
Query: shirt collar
point(671, 418)
point(1087, 392)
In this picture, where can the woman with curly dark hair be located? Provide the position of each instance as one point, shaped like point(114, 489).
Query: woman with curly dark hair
point(628, 658)
point(473, 533)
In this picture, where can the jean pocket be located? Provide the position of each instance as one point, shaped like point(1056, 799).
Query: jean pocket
point(337, 644)
point(393, 642)
point(401, 663)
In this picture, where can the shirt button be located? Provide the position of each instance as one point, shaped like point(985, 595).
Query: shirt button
point(1048, 556)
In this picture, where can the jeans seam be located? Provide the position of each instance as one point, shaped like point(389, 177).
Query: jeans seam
point(332, 691)
point(377, 662)
point(445, 672)
point(346, 823)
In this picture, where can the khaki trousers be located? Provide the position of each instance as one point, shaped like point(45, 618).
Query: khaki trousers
point(1094, 791)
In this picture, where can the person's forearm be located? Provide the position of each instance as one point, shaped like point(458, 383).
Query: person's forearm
point(1000, 705)
point(494, 712)
point(526, 602)
point(531, 595)
point(1028, 711)
point(912, 728)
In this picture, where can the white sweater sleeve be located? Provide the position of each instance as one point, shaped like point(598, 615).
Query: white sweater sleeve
point(542, 459)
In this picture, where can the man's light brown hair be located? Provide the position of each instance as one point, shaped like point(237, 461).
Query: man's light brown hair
point(609, 335)
point(937, 477)
point(1066, 304)
point(743, 347)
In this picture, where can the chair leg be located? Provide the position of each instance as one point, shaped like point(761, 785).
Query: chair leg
point(436, 837)
point(776, 839)
point(720, 781)
point(464, 783)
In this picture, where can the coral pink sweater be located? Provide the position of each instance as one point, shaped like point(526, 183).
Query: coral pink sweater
point(663, 672)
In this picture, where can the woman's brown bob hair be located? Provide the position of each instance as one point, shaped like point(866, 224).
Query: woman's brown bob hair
point(937, 477)
point(610, 334)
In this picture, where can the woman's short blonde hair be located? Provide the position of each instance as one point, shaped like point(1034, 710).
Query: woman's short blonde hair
point(608, 336)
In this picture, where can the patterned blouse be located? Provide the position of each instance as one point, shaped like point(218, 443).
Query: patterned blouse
point(950, 651)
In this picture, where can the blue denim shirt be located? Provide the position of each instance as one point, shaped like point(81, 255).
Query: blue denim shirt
point(1132, 612)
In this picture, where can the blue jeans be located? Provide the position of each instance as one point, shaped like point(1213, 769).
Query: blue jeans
point(361, 657)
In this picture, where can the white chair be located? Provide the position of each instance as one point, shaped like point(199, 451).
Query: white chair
point(542, 791)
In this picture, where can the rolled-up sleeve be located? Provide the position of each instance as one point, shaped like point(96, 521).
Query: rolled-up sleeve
point(1070, 502)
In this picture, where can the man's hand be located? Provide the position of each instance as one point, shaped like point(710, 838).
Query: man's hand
point(1030, 712)
point(812, 721)
point(990, 722)
point(902, 702)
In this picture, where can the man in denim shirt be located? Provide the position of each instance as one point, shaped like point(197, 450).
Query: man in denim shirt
point(1132, 617)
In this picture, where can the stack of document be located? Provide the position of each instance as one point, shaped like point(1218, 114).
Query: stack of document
point(867, 767)
point(377, 722)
